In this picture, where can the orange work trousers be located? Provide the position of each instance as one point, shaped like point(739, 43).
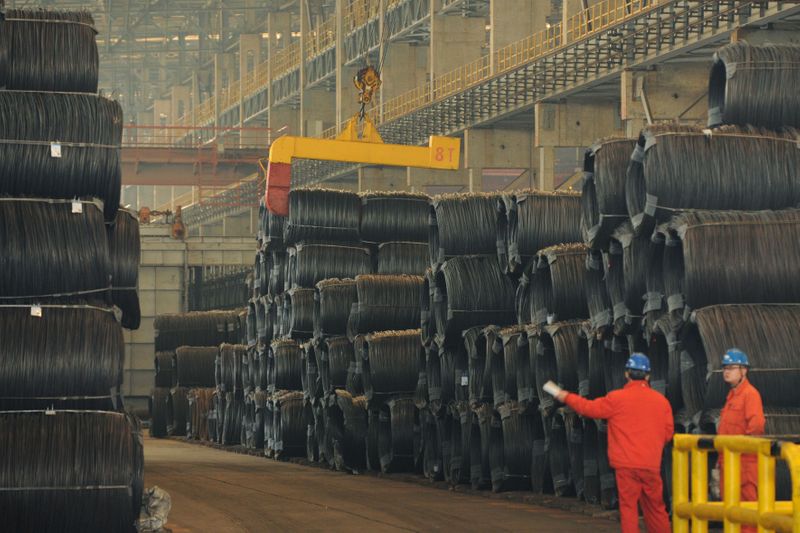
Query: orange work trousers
point(640, 487)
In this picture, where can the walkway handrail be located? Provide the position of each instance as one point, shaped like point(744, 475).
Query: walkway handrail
point(690, 470)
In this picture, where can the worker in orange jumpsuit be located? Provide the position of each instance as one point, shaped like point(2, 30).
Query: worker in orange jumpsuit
point(640, 423)
point(743, 414)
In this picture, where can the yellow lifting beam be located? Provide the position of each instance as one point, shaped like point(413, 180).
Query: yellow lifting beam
point(442, 153)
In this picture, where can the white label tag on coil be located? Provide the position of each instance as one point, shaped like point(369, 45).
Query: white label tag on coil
point(36, 310)
point(50, 412)
point(55, 150)
point(77, 207)
point(464, 381)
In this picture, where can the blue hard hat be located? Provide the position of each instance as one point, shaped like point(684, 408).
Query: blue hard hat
point(638, 361)
point(735, 356)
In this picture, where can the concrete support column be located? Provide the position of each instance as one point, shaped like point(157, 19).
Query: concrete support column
point(437, 181)
point(249, 59)
point(279, 28)
point(319, 112)
point(180, 108)
point(514, 20)
point(237, 226)
point(304, 31)
point(221, 71)
point(454, 41)
point(404, 69)
point(346, 99)
point(214, 229)
point(382, 179)
point(496, 149)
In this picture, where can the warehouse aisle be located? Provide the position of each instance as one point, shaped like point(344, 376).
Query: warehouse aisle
point(222, 492)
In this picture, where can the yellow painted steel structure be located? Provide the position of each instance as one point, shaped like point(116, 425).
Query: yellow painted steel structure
point(691, 509)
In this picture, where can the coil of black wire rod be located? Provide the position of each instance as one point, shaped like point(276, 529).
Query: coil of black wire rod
point(276, 267)
point(623, 320)
point(322, 215)
point(48, 50)
point(316, 262)
point(480, 467)
point(402, 258)
point(332, 302)
point(373, 435)
point(433, 378)
point(463, 224)
point(460, 372)
point(686, 167)
point(614, 366)
point(573, 425)
point(276, 317)
point(603, 193)
point(309, 375)
point(260, 402)
point(543, 362)
point(479, 342)
point(557, 284)
point(201, 328)
point(290, 425)
point(654, 301)
point(312, 447)
point(658, 350)
point(426, 304)
point(505, 203)
point(251, 323)
point(125, 252)
point(591, 471)
point(261, 275)
point(421, 393)
point(269, 426)
point(755, 84)
point(460, 443)
point(398, 425)
point(85, 467)
point(566, 337)
point(401, 216)
point(557, 449)
point(472, 291)
point(194, 366)
point(389, 363)
point(271, 228)
point(334, 362)
point(248, 436)
point(447, 370)
point(539, 219)
point(600, 311)
point(85, 130)
point(299, 308)
point(432, 467)
point(232, 423)
point(245, 370)
point(444, 437)
point(53, 248)
point(65, 356)
point(200, 402)
point(385, 302)
point(163, 367)
point(177, 411)
point(608, 481)
point(503, 365)
point(355, 384)
point(158, 411)
point(263, 325)
point(229, 380)
point(348, 418)
point(634, 266)
point(540, 480)
point(522, 295)
point(286, 365)
point(515, 435)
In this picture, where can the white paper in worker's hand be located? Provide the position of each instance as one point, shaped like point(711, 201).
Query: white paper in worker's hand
point(551, 388)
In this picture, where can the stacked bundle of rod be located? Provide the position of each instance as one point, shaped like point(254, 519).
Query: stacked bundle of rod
point(398, 434)
point(199, 328)
point(603, 192)
point(635, 251)
point(426, 301)
point(373, 436)
point(472, 290)
point(251, 323)
point(460, 442)
point(271, 228)
point(312, 412)
point(480, 465)
point(557, 284)
point(654, 300)
point(163, 367)
point(527, 393)
point(158, 411)
point(31, 39)
point(277, 317)
point(246, 368)
point(402, 215)
point(601, 314)
point(299, 312)
point(346, 428)
point(510, 448)
point(503, 365)
point(259, 275)
point(276, 267)
point(444, 440)
point(522, 295)
point(125, 250)
point(53, 248)
point(538, 219)
point(355, 385)
point(658, 349)
point(463, 224)
point(178, 411)
point(200, 402)
point(248, 436)
point(480, 344)
point(740, 244)
point(228, 379)
point(286, 366)
point(84, 468)
point(433, 379)
point(219, 411)
point(335, 356)
point(755, 84)
point(432, 467)
point(61, 145)
point(263, 325)
point(557, 450)
point(686, 167)
point(444, 380)
point(322, 215)
point(67, 356)
point(623, 322)
point(389, 363)
point(332, 302)
point(385, 302)
point(289, 425)
point(193, 366)
point(311, 263)
point(573, 425)
point(554, 357)
point(232, 422)
point(309, 375)
point(402, 258)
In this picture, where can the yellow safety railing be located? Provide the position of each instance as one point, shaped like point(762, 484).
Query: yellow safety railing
point(286, 60)
point(320, 38)
point(690, 472)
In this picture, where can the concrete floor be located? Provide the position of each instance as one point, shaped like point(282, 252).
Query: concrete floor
point(220, 492)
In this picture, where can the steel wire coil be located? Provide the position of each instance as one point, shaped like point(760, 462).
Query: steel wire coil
point(479, 342)
point(575, 442)
point(272, 227)
point(513, 471)
point(654, 298)
point(46, 249)
point(84, 467)
point(216, 425)
point(200, 402)
point(591, 470)
point(460, 466)
point(503, 365)
point(603, 205)
point(347, 421)
point(537, 220)
point(259, 275)
point(634, 267)
point(432, 467)
point(251, 323)
point(311, 263)
point(67, 357)
point(248, 436)
point(608, 480)
point(276, 268)
point(286, 366)
point(522, 295)
point(385, 303)
point(389, 363)
point(86, 130)
point(277, 317)
point(658, 350)
point(402, 258)
point(228, 379)
point(449, 378)
point(463, 224)
point(332, 302)
point(178, 411)
point(312, 447)
point(232, 422)
point(323, 215)
point(373, 436)
point(685, 167)
point(504, 205)
point(263, 325)
point(444, 440)
point(624, 321)
point(461, 372)
point(249, 369)
point(433, 377)
point(355, 383)
point(48, 50)
point(398, 435)
point(158, 411)
point(480, 465)
point(554, 357)
point(472, 291)
point(199, 328)
point(289, 425)
point(755, 84)
point(591, 361)
point(421, 394)
point(617, 354)
point(335, 359)
point(259, 428)
point(557, 284)
point(193, 366)
point(163, 367)
point(400, 216)
point(309, 375)
point(527, 393)
point(566, 338)
point(299, 312)
point(269, 425)
point(124, 250)
point(426, 305)
point(557, 450)
point(601, 314)
point(742, 245)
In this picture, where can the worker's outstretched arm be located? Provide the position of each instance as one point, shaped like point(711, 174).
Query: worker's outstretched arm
point(602, 407)
point(754, 414)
